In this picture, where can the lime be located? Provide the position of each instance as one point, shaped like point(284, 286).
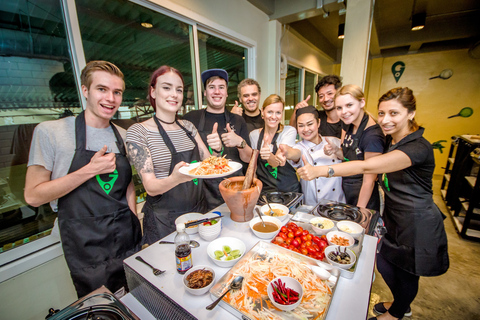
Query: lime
point(218, 254)
point(226, 249)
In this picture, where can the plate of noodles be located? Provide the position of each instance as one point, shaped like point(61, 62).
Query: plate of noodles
point(212, 167)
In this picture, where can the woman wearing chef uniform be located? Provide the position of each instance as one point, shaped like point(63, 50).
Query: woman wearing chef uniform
point(275, 173)
point(362, 138)
point(415, 243)
point(158, 148)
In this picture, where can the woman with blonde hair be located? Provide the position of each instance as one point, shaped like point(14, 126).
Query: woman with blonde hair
point(272, 169)
point(362, 138)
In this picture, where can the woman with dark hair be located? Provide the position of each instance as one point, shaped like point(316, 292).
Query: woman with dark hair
point(158, 148)
point(362, 138)
point(415, 243)
point(272, 169)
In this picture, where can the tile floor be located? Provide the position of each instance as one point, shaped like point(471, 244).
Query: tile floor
point(453, 295)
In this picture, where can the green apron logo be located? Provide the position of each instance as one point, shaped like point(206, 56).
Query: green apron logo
point(108, 185)
point(274, 173)
point(195, 181)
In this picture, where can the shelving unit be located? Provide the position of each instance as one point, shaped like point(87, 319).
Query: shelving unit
point(461, 187)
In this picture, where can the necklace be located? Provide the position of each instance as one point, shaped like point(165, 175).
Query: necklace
point(165, 121)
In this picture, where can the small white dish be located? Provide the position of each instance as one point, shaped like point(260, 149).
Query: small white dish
point(265, 210)
point(202, 290)
point(218, 244)
point(290, 283)
point(265, 235)
point(339, 234)
point(188, 217)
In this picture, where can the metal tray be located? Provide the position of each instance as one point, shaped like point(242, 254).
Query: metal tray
point(304, 217)
point(265, 252)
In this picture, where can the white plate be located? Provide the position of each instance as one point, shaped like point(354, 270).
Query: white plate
point(185, 170)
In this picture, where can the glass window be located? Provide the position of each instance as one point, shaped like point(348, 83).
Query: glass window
point(218, 53)
point(137, 40)
point(36, 84)
point(309, 88)
point(292, 91)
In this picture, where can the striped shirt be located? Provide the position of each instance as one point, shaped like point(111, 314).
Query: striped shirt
point(159, 152)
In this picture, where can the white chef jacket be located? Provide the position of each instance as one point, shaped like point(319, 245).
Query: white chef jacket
point(321, 188)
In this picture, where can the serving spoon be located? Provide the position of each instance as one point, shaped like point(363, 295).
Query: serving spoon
point(192, 243)
point(259, 215)
point(234, 285)
point(268, 204)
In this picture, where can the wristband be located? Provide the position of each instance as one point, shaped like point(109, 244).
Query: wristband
point(212, 150)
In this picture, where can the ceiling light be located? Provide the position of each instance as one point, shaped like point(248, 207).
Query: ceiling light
point(147, 25)
point(341, 31)
point(418, 21)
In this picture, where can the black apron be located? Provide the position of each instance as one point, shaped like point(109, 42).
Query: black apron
point(415, 240)
point(97, 228)
point(282, 178)
point(162, 210)
point(352, 184)
point(212, 193)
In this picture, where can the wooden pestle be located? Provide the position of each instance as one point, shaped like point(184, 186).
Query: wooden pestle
point(252, 168)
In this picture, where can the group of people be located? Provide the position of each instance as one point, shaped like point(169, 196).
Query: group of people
point(82, 165)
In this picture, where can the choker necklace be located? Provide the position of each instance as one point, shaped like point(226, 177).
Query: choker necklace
point(165, 121)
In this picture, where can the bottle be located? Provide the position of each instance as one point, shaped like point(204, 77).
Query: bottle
point(183, 252)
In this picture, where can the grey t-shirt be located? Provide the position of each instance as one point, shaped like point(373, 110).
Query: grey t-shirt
point(53, 145)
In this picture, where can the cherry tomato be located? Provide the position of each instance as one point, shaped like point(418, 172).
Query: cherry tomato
point(283, 235)
point(291, 224)
point(290, 235)
point(284, 245)
point(304, 238)
point(309, 237)
point(295, 243)
point(321, 255)
point(304, 251)
point(288, 241)
point(284, 229)
point(303, 245)
point(279, 240)
point(316, 239)
point(299, 240)
point(298, 232)
point(305, 232)
point(311, 250)
point(291, 247)
point(308, 243)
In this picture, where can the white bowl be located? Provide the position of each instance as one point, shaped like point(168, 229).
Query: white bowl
point(217, 244)
point(321, 231)
point(331, 234)
point(199, 291)
point(265, 210)
point(210, 232)
point(289, 283)
point(188, 217)
point(350, 227)
point(353, 258)
point(265, 235)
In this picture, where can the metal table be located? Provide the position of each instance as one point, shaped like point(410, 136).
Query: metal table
point(350, 300)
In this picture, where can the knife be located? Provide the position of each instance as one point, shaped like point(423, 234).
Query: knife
point(194, 223)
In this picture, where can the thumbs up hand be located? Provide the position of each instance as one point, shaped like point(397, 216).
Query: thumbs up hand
point(213, 139)
point(230, 138)
point(330, 148)
point(302, 103)
point(281, 155)
point(236, 109)
point(307, 172)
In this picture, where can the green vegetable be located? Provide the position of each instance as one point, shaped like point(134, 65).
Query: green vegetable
point(218, 254)
point(226, 249)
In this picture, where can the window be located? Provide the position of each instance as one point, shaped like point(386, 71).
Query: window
point(38, 79)
point(309, 87)
point(292, 90)
point(36, 84)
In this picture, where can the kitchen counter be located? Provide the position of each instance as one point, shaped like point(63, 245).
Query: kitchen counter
point(350, 301)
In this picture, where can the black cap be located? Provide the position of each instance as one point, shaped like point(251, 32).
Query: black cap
point(207, 74)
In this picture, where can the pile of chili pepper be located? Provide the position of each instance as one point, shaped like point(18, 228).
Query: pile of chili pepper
point(282, 294)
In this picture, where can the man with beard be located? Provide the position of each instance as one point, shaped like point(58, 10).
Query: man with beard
point(225, 133)
point(249, 96)
point(326, 88)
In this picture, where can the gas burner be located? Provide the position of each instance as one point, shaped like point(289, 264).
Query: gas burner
point(95, 306)
point(288, 199)
point(340, 211)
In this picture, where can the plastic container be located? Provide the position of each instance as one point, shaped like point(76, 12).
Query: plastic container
point(183, 252)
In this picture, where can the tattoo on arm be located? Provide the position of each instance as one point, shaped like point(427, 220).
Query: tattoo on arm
point(202, 154)
point(139, 156)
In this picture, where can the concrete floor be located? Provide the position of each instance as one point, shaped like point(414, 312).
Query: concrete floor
point(453, 295)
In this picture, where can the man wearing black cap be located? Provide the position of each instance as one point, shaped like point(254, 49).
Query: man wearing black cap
point(225, 132)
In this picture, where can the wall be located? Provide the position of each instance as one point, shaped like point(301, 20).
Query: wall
point(437, 99)
point(30, 295)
